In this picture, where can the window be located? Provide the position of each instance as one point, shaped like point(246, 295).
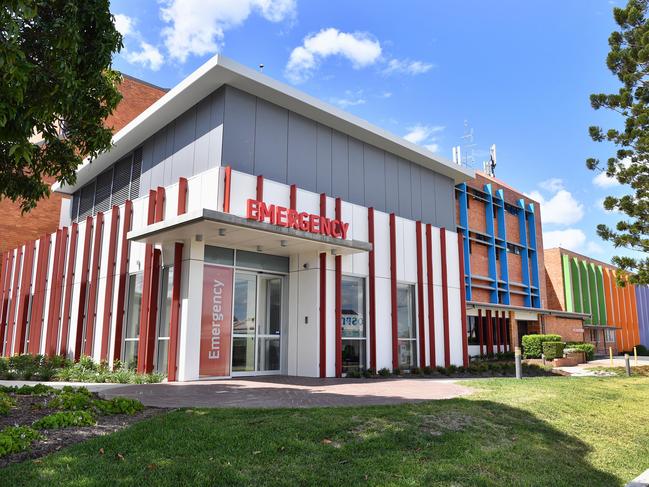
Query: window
point(472, 330)
point(406, 330)
point(514, 249)
point(132, 332)
point(354, 335)
point(166, 289)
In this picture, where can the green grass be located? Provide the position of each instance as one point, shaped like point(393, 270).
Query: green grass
point(541, 431)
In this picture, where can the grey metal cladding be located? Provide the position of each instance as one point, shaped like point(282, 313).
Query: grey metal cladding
point(428, 192)
point(391, 183)
point(356, 172)
point(444, 201)
point(415, 190)
point(201, 158)
point(182, 161)
point(339, 166)
point(136, 172)
point(302, 151)
point(323, 159)
point(405, 200)
point(374, 177)
point(271, 133)
point(239, 130)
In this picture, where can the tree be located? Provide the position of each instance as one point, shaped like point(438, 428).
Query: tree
point(628, 59)
point(57, 85)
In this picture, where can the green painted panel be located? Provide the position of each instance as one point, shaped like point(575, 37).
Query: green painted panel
point(585, 294)
point(574, 275)
point(600, 295)
point(592, 287)
point(567, 283)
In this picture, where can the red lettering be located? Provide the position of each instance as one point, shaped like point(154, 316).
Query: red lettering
point(314, 223)
point(252, 209)
point(325, 226)
point(304, 221)
point(345, 227)
point(335, 229)
point(290, 218)
point(281, 217)
point(293, 220)
point(266, 211)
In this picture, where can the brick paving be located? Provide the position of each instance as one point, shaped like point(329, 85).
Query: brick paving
point(291, 392)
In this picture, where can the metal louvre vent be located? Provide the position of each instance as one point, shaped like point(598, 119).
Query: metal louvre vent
point(135, 174)
point(121, 181)
point(75, 205)
point(102, 194)
point(87, 200)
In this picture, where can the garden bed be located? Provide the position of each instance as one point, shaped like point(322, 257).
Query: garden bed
point(33, 407)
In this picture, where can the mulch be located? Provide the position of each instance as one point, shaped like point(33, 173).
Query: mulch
point(31, 408)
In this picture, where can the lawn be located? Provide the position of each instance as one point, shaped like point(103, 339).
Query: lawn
point(540, 431)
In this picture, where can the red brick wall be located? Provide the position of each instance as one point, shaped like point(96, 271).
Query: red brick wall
point(554, 279)
point(16, 229)
point(479, 260)
point(565, 327)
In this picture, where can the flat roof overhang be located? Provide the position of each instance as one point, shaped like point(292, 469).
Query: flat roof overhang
point(227, 230)
point(219, 71)
point(541, 311)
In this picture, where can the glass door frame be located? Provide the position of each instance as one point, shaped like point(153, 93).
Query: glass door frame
point(259, 275)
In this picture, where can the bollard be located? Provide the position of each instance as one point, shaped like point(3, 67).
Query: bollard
point(519, 364)
point(635, 356)
point(610, 352)
point(627, 364)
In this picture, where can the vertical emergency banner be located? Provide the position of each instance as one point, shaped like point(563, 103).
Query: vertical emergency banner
point(216, 321)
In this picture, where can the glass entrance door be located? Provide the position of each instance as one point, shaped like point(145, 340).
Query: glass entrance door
point(256, 343)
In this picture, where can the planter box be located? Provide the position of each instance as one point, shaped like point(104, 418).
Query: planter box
point(571, 359)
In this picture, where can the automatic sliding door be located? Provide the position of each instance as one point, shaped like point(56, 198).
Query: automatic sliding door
point(270, 324)
point(244, 323)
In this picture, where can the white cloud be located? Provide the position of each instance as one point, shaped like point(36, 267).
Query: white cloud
point(603, 181)
point(562, 208)
point(553, 185)
point(572, 239)
point(360, 48)
point(350, 99)
point(424, 135)
point(149, 56)
point(406, 66)
point(124, 24)
point(197, 27)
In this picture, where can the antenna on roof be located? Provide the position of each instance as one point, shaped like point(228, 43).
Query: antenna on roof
point(468, 145)
point(490, 165)
point(261, 68)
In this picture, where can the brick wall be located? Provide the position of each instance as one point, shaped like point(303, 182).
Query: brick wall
point(554, 279)
point(570, 329)
point(16, 229)
point(479, 258)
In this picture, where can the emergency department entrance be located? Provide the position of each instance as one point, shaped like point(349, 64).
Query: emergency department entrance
point(244, 317)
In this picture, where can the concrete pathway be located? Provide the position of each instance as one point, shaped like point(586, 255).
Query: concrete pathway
point(292, 392)
point(586, 370)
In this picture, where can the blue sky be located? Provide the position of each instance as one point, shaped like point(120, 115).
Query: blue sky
point(519, 73)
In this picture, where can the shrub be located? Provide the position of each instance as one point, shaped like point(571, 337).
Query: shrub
point(415, 371)
point(587, 348)
point(6, 403)
point(118, 405)
point(35, 390)
point(642, 350)
point(369, 373)
point(427, 370)
point(552, 350)
point(16, 438)
point(72, 400)
point(64, 419)
point(533, 344)
point(354, 374)
point(384, 372)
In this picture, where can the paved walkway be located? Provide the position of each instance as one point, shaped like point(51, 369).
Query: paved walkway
point(292, 392)
point(586, 370)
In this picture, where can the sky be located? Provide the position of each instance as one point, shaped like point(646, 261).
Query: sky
point(515, 74)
